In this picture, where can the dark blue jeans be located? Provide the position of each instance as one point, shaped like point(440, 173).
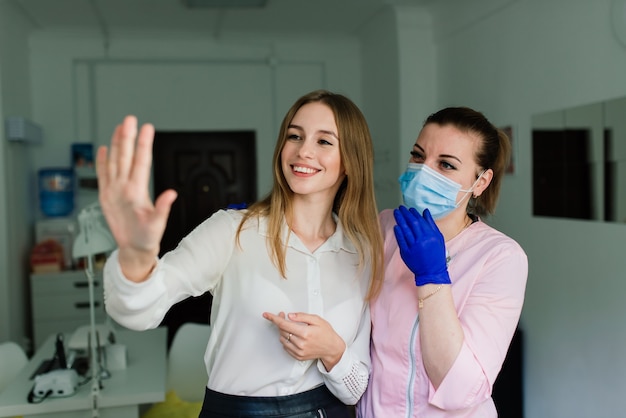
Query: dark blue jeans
point(315, 403)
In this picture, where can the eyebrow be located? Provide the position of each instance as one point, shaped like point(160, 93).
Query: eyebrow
point(441, 155)
point(323, 131)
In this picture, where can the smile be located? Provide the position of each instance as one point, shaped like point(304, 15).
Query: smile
point(304, 170)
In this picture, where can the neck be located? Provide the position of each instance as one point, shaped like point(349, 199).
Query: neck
point(451, 226)
point(312, 223)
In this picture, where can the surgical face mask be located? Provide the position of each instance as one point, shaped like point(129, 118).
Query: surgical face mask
point(424, 188)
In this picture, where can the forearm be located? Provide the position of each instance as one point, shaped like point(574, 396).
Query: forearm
point(441, 334)
point(334, 354)
point(348, 379)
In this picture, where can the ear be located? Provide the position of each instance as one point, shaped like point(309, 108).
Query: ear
point(483, 182)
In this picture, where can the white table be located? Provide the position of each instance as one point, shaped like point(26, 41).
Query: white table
point(142, 382)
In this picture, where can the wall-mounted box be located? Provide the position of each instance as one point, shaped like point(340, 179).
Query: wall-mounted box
point(21, 129)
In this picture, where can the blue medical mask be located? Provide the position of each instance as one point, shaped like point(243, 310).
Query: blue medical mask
point(424, 188)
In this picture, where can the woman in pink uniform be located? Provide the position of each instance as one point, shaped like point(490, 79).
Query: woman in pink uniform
point(454, 286)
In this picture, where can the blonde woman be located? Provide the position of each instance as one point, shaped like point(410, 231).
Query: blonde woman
point(290, 275)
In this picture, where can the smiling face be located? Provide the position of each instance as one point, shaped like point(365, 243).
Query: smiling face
point(310, 158)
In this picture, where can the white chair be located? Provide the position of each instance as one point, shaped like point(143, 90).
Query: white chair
point(12, 360)
point(186, 372)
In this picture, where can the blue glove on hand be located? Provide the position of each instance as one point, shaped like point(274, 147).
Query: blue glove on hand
point(422, 246)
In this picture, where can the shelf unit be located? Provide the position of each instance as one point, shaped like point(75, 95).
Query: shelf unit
point(60, 302)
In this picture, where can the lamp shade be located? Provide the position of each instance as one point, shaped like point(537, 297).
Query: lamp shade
point(94, 236)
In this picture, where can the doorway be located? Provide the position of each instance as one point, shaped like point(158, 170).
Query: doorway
point(209, 171)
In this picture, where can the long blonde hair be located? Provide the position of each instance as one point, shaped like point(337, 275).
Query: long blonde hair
point(354, 202)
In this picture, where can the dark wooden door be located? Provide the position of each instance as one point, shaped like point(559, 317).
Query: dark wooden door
point(562, 181)
point(209, 171)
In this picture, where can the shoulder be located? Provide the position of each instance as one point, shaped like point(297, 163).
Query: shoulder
point(386, 219)
point(495, 241)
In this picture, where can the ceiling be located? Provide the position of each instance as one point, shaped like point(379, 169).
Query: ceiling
point(291, 17)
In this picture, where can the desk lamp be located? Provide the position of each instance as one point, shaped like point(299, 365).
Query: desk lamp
point(93, 238)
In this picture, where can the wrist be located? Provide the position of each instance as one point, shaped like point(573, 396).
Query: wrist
point(330, 361)
point(136, 265)
point(433, 278)
point(432, 291)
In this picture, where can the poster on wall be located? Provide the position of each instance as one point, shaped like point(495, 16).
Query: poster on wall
point(508, 130)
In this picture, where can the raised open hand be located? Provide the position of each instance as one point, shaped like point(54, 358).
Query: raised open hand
point(422, 246)
point(123, 180)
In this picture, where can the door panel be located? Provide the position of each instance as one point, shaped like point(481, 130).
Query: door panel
point(209, 171)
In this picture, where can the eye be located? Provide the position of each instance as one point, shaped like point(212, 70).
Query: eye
point(293, 137)
point(446, 165)
point(416, 156)
point(322, 141)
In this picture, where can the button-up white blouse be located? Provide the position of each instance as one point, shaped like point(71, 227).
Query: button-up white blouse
point(244, 355)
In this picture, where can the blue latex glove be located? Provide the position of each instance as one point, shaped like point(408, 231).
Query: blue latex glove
point(422, 246)
point(243, 205)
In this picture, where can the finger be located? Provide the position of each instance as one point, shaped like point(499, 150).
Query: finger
point(269, 316)
point(124, 132)
point(101, 165)
point(163, 203)
point(399, 217)
point(278, 320)
point(400, 238)
point(142, 161)
point(111, 166)
point(401, 221)
point(290, 345)
point(415, 214)
point(304, 318)
point(126, 147)
point(429, 220)
point(414, 221)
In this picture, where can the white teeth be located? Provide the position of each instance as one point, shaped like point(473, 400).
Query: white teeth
point(303, 170)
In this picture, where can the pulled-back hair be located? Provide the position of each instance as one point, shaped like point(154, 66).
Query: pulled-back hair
point(354, 203)
point(493, 153)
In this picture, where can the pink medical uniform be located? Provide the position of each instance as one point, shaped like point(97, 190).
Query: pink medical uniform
point(488, 271)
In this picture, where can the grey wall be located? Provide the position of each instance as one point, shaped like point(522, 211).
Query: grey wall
point(517, 59)
point(16, 183)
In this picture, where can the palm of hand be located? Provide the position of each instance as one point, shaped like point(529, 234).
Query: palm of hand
point(422, 246)
point(123, 178)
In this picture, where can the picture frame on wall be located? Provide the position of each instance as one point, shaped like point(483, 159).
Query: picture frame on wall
point(510, 168)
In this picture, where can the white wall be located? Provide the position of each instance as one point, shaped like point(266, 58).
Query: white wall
point(398, 66)
point(16, 212)
point(518, 59)
point(81, 90)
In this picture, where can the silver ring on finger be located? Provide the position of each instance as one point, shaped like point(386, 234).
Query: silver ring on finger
point(289, 337)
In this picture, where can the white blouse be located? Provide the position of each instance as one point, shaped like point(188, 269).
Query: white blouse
point(244, 355)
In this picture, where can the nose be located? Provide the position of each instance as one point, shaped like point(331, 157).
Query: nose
point(430, 163)
point(307, 149)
